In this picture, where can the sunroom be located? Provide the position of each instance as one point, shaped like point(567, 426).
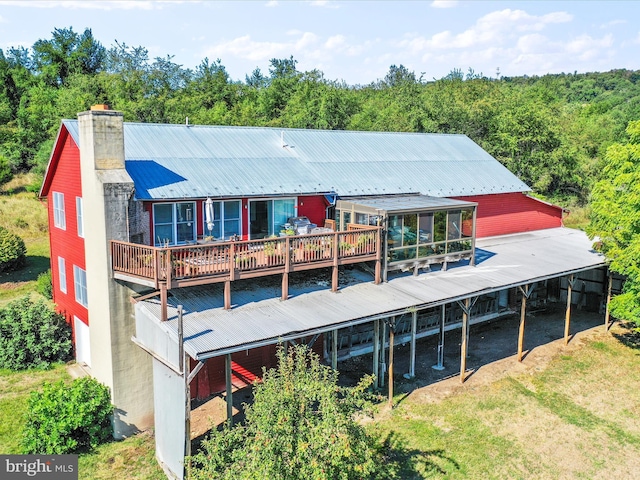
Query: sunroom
point(419, 231)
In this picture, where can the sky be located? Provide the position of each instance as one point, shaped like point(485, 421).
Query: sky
point(352, 41)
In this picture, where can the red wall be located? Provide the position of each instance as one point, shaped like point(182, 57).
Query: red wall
point(313, 207)
point(505, 213)
point(66, 243)
point(246, 367)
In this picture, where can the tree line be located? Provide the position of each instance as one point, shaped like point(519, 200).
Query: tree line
point(551, 131)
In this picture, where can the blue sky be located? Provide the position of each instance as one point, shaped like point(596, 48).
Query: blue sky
point(354, 41)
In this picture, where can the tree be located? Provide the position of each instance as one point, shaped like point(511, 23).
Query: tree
point(301, 425)
point(615, 220)
point(68, 53)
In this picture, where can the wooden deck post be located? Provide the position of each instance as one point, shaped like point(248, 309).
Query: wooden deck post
point(229, 386)
point(607, 313)
point(334, 349)
point(376, 352)
point(163, 302)
point(414, 328)
point(391, 340)
point(227, 295)
point(287, 269)
point(525, 290)
point(567, 317)
point(336, 254)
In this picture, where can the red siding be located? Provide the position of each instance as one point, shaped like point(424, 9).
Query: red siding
point(246, 367)
point(313, 207)
point(513, 213)
point(66, 243)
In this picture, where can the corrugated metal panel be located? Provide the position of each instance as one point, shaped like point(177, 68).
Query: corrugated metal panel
point(502, 262)
point(178, 161)
point(402, 203)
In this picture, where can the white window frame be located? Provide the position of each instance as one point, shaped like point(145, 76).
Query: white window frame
point(80, 216)
point(62, 275)
point(174, 223)
point(59, 219)
point(80, 285)
point(222, 219)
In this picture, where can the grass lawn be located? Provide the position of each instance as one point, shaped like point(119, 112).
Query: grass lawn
point(23, 214)
point(131, 458)
point(578, 418)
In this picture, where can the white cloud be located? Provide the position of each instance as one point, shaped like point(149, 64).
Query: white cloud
point(271, 3)
point(324, 4)
point(613, 23)
point(444, 3)
point(94, 4)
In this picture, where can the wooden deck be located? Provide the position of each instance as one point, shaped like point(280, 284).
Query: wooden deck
point(165, 268)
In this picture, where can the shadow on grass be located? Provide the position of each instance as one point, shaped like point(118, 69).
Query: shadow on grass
point(403, 462)
point(630, 337)
point(35, 265)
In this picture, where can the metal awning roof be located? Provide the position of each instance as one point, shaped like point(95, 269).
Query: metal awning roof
point(262, 318)
point(403, 203)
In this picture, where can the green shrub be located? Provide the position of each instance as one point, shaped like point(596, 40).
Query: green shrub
point(67, 418)
point(32, 335)
point(44, 286)
point(301, 424)
point(5, 170)
point(12, 251)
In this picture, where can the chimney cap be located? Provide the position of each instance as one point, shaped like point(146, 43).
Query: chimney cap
point(100, 106)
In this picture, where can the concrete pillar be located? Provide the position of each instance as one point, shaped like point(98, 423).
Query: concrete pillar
point(106, 192)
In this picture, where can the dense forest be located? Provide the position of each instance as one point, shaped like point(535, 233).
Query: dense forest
point(552, 131)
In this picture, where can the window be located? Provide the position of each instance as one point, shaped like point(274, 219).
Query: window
point(173, 223)
point(226, 219)
point(62, 275)
point(80, 285)
point(79, 216)
point(267, 217)
point(58, 210)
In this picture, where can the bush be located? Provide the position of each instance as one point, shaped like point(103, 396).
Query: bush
point(67, 418)
point(32, 335)
point(12, 251)
point(5, 170)
point(44, 286)
point(301, 425)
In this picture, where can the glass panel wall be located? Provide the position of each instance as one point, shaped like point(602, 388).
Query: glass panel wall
point(419, 235)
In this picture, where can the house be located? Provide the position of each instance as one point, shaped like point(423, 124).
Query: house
point(166, 241)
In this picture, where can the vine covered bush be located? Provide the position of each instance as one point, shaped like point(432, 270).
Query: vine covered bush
point(64, 418)
point(302, 424)
point(32, 335)
point(12, 251)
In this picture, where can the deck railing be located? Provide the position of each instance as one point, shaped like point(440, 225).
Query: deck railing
point(211, 262)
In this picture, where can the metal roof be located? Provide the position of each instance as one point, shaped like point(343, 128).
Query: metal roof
point(180, 161)
point(261, 318)
point(403, 203)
